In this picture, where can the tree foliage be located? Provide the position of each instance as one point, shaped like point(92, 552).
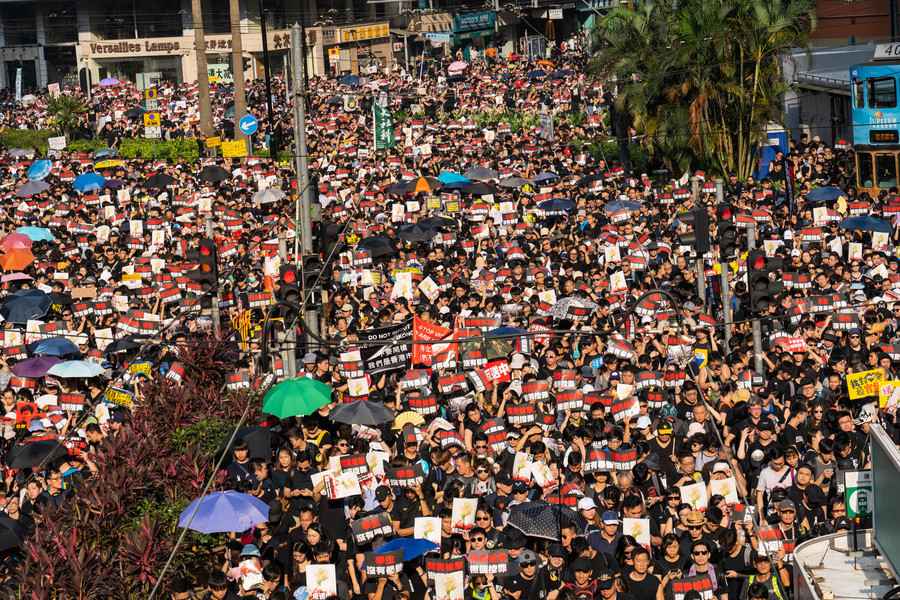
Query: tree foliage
point(111, 539)
point(66, 113)
point(702, 78)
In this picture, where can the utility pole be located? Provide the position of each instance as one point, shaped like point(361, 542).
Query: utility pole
point(206, 127)
point(237, 68)
point(287, 336)
point(758, 364)
point(217, 326)
point(701, 270)
point(267, 72)
point(302, 219)
point(723, 267)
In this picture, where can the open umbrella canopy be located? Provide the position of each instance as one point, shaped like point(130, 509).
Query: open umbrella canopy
point(618, 205)
point(412, 548)
point(16, 241)
point(438, 222)
point(865, 223)
point(543, 520)
point(451, 178)
point(16, 277)
point(458, 66)
point(11, 534)
point(268, 196)
point(512, 182)
point(31, 454)
point(25, 305)
point(16, 260)
point(109, 81)
point(32, 188)
point(537, 74)
point(296, 398)
point(109, 163)
point(214, 174)
point(135, 112)
point(34, 367)
point(349, 80)
point(377, 246)
point(824, 194)
point(481, 173)
point(126, 344)
point(477, 188)
point(556, 206)
point(57, 346)
point(39, 169)
point(36, 234)
point(106, 153)
point(414, 232)
point(20, 153)
point(75, 369)
point(89, 182)
point(423, 185)
point(545, 176)
point(159, 181)
point(361, 412)
point(224, 512)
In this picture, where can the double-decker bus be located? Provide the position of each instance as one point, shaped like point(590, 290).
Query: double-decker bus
point(874, 87)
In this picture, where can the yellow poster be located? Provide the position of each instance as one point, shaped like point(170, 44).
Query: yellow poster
point(234, 149)
point(889, 393)
point(864, 383)
point(213, 142)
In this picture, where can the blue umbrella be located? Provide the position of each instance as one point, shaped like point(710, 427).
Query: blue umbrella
point(36, 234)
point(24, 306)
point(74, 369)
point(556, 205)
point(224, 512)
point(450, 178)
point(865, 223)
point(412, 547)
point(349, 80)
point(545, 176)
point(87, 182)
point(537, 74)
point(58, 346)
point(621, 205)
point(824, 194)
point(39, 169)
point(503, 332)
point(32, 188)
point(108, 81)
point(106, 153)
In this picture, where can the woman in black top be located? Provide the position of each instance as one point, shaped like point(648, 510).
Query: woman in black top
point(671, 559)
point(736, 559)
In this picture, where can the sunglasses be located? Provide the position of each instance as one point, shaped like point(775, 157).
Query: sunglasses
point(695, 527)
point(700, 552)
point(483, 518)
point(478, 539)
point(525, 565)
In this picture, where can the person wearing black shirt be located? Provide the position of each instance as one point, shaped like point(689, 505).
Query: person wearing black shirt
point(641, 583)
point(531, 583)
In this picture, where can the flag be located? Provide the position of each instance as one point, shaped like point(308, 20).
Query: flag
point(383, 126)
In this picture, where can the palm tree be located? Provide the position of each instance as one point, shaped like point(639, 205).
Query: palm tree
point(66, 113)
point(702, 78)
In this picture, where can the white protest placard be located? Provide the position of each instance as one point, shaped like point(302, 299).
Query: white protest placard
point(463, 514)
point(695, 495)
point(427, 528)
point(321, 581)
point(639, 529)
point(449, 586)
point(57, 143)
point(727, 488)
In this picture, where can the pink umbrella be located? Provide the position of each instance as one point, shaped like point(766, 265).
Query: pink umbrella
point(16, 241)
point(16, 277)
point(458, 66)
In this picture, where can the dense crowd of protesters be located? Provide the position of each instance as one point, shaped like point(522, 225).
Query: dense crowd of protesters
point(649, 459)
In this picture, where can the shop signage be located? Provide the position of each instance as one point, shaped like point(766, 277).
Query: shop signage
point(485, 19)
point(147, 47)
point(364, 32)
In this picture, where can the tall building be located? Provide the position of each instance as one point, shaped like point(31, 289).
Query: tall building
point(842, 22)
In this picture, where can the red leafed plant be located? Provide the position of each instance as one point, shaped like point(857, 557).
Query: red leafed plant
point(113, 537)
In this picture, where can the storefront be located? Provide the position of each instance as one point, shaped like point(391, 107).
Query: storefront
point(26, 58)
point(472, 32)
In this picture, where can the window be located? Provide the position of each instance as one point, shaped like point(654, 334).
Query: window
point(886, 171)
point(864, 169)
point(882, 93)
point(859, 100)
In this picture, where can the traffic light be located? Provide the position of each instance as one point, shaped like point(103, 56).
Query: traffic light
point(207, 271)
point(697, 237)
point(289, 283)
point(726, 232)
point(763, 281)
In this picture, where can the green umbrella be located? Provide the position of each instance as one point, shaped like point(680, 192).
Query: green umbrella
point(296, 398)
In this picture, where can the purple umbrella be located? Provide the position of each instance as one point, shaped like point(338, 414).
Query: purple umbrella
point(34, 367)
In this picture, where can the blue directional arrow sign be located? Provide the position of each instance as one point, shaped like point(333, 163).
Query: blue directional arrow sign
point(248, 124)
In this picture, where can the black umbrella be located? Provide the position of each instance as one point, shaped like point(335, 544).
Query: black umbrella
point(60, 299)
point(159, 181)
point(24, 306)
point(258, 440)
point(11, 534)
point(399, 188)
point(214, 174)
point(32, 454)
point(543, 520)
point(126, 344)
point(362, 412)
point(135, 112)
point(377, 246)
point(413, 232)
point(438, 222)
point(477, 189)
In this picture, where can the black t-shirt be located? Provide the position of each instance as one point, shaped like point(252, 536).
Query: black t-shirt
point(644, 589)
point(532, 589)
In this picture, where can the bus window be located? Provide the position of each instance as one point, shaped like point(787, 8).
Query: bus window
point(864, 169)
point(859, 100)
point(882, 93)
point(886, 170)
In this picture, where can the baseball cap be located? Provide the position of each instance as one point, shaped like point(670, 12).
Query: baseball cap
point(610, 517)
point(582, 564)
point(309, 358)
point(519, 487)
point(382, 492)
point(643, 422)
point(720, 467)
point(664, 428)
point(250, 550)
point(556, 550)
point(528, 556)
point(586, 504)
point(605, 580)
point(786, 505)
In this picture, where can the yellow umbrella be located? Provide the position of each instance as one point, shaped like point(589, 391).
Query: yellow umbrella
point(409, 417)
point(108, 164)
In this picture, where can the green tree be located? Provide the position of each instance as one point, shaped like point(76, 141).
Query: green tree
point(65, 113)
point(702, 78)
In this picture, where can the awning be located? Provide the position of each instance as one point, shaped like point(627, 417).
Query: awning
point(434, 22)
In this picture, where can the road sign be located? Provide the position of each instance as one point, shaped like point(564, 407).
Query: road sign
point(151, 119)
point(150, 93)
point(248, 124)
point(153, 132)
point(858, 493)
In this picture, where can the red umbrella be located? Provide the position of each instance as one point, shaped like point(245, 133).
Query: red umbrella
point(16, 241)
point(16, 260)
